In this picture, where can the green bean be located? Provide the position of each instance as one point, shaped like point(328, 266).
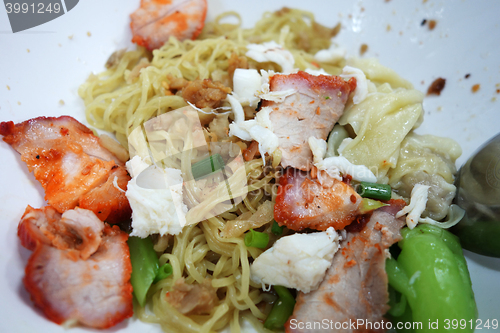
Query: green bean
point(374, 191)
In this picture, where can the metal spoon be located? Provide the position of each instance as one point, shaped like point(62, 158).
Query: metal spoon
point(478, 192)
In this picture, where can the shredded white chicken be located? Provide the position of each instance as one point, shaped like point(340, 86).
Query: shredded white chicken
point(416, 207)
point(155, 196)
point(336, 166)
point(318, 148)
point(246, 82)
point(259, 129)
point(316, 72)
point(272, 52)
point(297, 261)
point(418, 202)
point(250, 87)
point(361, 90)
point(332, 55)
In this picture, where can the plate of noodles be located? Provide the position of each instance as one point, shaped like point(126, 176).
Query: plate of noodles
point(58, 68)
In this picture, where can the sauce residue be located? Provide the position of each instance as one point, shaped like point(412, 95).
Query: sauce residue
point(363, 49)
point(436, 87)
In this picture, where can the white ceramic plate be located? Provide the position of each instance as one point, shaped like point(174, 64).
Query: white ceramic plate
point(44, 65)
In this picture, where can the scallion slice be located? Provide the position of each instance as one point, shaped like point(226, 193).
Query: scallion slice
point(256, 239)
point(207, 166)
point(164, 272)
point(276, 229)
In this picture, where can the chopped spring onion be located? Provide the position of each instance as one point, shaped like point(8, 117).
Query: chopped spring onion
point(374, 191)
point(367, 205)
point(256, 239)
point(144, 266)
point(207, 166)
point(276, 229)
point(164, 272)
point(282, 309)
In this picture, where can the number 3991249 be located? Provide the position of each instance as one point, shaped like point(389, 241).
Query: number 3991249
point(478, 324)
point(39, 8)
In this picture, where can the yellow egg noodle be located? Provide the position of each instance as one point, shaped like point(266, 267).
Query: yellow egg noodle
point(134, 89)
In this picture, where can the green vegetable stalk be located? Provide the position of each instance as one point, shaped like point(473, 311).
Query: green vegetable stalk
point(145, 266)
point(431, 275)
point(282, 309)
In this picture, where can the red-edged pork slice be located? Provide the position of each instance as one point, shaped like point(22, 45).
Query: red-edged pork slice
point(157, 20)
point(40, 133)
point(355, 286)
point(37, 226)
point(106, 201)
point(312, 110)
point(78, 230)
point(304, 203)
point(79, 270)
point(72, 166)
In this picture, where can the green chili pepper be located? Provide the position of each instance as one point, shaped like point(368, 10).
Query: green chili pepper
point(431, 273)
point(256, 239)
point(145, 266)
point(282, 309)
point(398, 308)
